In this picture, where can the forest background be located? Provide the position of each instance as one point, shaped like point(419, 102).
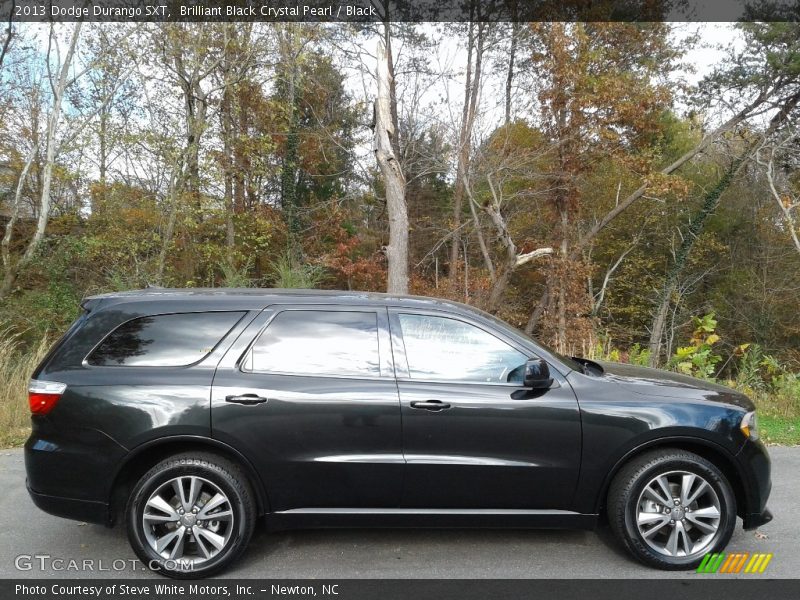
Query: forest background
point(580, 180)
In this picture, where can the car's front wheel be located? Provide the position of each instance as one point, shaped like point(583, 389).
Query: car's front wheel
point(670, 508)
point(191, 515)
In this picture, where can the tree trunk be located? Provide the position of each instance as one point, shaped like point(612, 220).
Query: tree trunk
point(786, 203)
point(487, 258)
point(501, 277)
point(387, 40)
point(175, 189)
point(103, 151)
point(9, 33)
point(195, 103)
point(196, 112)
point(9, 272)
point(471, 88)
point(561, 330)
point(394, 181)
point(226, 115)
point(660, 321)
point(536, 314)
point(515, 26)
point(227, 119)
point(289, 54)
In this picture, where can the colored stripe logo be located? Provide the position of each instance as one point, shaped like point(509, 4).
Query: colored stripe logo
point(735, 562)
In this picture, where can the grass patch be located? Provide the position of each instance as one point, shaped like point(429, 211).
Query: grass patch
point(779, 430)
point(16, 367)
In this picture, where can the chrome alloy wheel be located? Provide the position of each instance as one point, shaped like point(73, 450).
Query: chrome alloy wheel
point(678, 514)
point(188, 519)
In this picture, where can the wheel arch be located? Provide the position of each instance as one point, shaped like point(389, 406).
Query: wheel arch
point(714, 453)
point(145, 456)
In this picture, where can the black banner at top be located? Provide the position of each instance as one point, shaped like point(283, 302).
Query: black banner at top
point(365, 11)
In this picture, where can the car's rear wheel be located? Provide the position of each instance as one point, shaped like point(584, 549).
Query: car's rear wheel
point(191, 515)
point(669, 508)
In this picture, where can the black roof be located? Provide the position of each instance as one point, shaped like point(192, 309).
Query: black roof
point(268, 295)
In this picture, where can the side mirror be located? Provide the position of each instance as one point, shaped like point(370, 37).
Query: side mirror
point(537, 374)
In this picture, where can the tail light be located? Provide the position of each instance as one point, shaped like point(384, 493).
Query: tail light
point(43, 395)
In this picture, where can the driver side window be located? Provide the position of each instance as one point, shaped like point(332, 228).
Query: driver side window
point(450, 350)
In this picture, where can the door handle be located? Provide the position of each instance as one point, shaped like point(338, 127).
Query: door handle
point(432, 405)
point(246, 399)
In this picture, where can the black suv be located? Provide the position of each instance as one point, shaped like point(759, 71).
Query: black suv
point(189, 414)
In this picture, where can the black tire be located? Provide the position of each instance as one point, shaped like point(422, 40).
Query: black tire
point(626, 492)
point(216, 474)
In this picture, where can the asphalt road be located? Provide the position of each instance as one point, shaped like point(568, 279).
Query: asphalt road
point(25, 530)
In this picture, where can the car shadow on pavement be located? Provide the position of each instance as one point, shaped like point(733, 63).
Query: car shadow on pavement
point(418, 553)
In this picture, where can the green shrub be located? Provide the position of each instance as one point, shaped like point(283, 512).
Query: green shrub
point(698, 358)
point(288, 273)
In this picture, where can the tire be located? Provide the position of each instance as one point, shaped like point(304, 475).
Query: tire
point(192, 544)
point(678, 539)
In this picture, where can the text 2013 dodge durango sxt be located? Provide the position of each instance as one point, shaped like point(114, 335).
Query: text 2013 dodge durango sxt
point(190, 414)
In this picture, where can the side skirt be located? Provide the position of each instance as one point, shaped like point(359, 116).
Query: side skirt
point(313, 518)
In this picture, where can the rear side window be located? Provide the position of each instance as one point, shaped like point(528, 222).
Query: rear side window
point(318, 342)
point(174, 340)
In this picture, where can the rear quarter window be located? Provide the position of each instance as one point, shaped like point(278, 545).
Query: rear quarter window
point(174, 340)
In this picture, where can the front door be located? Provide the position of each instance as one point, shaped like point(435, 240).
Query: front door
point(473, 436)
point(313, 403)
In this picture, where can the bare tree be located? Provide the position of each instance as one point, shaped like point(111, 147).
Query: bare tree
point(502, 168)
point(513, 258)
point(8, 267)
point(476, 35)
point(239, 58)
point(787, 198)
point(191, 55)
point(58, 87)
point(394, 181)
point(512, 56)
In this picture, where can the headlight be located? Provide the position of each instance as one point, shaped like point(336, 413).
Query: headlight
point(749, 426)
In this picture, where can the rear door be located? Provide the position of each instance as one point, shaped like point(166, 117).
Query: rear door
point(308, 394)
point(473, 436)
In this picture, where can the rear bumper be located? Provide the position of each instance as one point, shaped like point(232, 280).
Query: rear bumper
point(70, 470)
point(71, 508)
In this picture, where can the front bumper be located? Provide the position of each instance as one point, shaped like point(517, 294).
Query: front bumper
point(755, 470)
